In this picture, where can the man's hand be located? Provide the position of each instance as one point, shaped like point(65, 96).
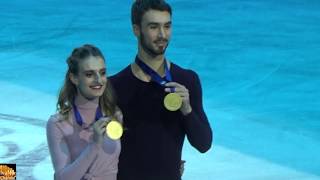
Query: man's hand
point(184, 94)
point(182, 162)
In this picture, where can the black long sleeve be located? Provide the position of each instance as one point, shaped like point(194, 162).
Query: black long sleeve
point(153, 140)
point(197, 127)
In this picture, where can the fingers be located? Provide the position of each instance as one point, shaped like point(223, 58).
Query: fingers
point(99, 127)
point(119, 116)
point(99, 130)
point(170, 86)
point(184, 94)
point(182, 162)
point(105, 119)
point(179, 89)
point(176, 87)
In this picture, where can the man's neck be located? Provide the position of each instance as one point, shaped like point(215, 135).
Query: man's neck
point(155, 63)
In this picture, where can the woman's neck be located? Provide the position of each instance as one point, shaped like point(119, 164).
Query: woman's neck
point(83, 102)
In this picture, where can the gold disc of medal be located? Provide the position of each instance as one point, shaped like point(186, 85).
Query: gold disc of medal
point(172, 101)
point(114, 129)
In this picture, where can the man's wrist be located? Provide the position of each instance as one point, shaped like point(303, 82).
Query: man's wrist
point(186, 111)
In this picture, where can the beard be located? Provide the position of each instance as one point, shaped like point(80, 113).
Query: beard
point(149, 49)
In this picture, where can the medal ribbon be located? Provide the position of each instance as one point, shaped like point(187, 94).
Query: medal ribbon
point(78, 117)
point(172, 101)
point(154, 75)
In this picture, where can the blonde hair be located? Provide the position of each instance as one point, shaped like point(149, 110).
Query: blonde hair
point(69, 90)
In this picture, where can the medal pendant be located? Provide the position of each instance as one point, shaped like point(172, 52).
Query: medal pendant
point(114, 130)
point(172, 101)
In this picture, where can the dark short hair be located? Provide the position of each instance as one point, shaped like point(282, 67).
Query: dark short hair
point(140, 7)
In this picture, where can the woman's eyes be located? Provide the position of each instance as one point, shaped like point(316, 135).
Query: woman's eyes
point(89, 75)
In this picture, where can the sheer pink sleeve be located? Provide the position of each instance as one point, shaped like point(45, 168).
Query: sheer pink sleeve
point(60, 155)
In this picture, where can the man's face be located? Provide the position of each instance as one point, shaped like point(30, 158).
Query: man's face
point(154, 32)
point(91, 79)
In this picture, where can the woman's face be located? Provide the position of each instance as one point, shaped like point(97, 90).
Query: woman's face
point(91, 79)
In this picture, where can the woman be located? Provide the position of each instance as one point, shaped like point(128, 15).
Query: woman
point(77, 142)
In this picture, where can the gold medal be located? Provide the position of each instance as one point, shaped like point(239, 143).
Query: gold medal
point(114, 129)
point(172, 101)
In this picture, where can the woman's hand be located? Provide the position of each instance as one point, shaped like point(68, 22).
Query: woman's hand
point(118, 115)
point(99, 129)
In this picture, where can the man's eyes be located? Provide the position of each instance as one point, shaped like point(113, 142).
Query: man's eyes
point(168, 26)
point(102, 73)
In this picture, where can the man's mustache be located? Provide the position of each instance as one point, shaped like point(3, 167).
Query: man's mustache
point(161, 40)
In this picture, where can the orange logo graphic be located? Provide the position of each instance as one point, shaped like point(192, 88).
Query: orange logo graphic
point(7, 173)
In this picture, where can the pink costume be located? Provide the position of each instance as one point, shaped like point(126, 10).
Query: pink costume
point(74, 154)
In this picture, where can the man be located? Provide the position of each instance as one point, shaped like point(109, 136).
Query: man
point(156, 124)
